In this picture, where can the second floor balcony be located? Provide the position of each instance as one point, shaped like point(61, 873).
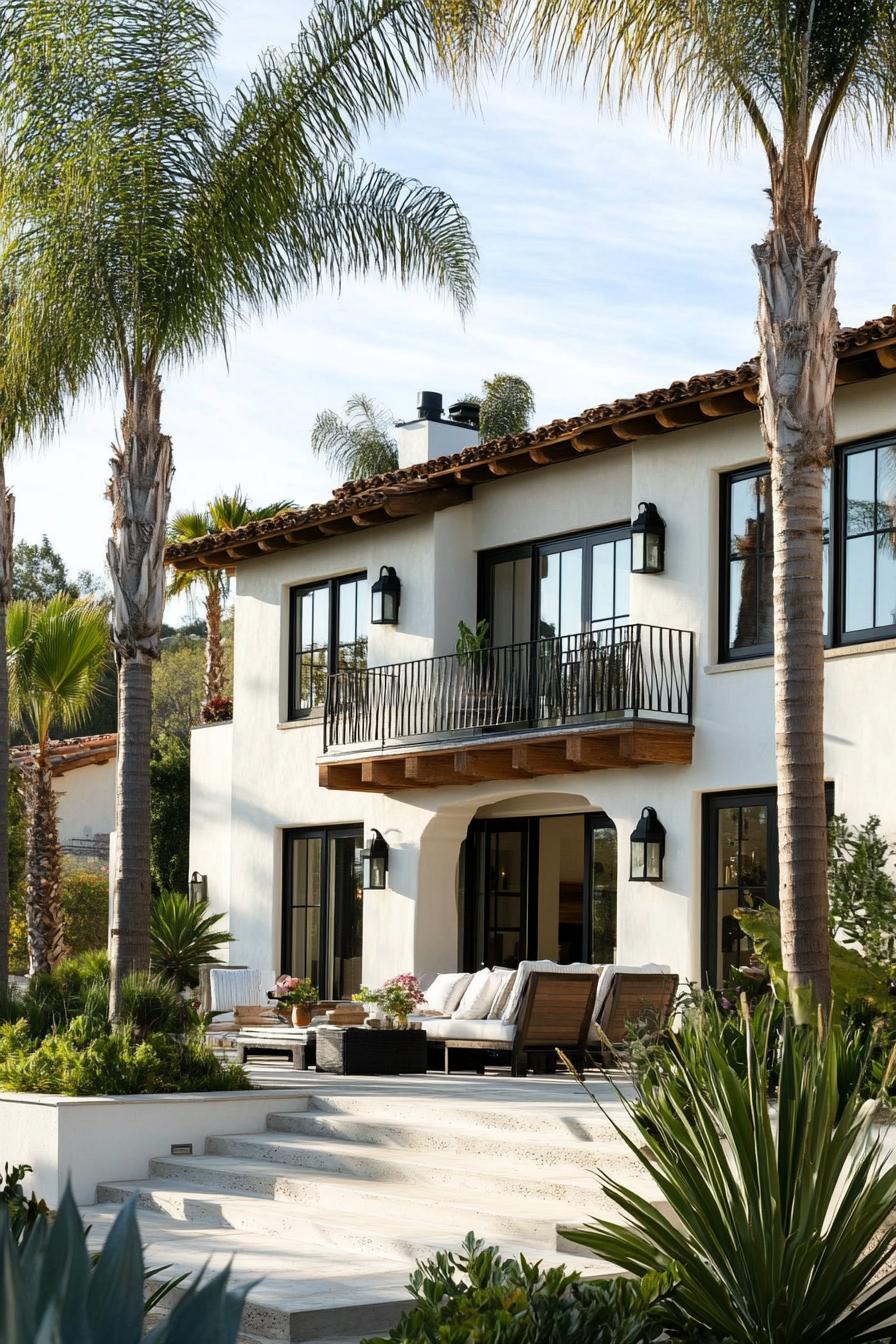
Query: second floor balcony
point(604, 698)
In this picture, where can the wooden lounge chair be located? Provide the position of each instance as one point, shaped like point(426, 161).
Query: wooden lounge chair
point(636, 997)
point(556, 1012)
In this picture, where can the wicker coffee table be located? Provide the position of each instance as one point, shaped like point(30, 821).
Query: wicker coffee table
point(361, 1050)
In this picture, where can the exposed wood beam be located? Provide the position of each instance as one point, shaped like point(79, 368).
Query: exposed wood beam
point(488, 763)
point(509, 466)
point(751, 392)
point(728, 403)
point(542, 458)
point(341, 775)
point(543, 758)
point(268, 544)
point(595, 753)
point(337, 528)
point(851, 371)
point(643, 745)
point(886, 356)
point(425, 501)
point(593, 440)
point(680, 417)
point(368, 519)
point(431, 769)
point(385, 773)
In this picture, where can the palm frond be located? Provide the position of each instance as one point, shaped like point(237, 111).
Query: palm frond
point(57, 653)
point(359, 445)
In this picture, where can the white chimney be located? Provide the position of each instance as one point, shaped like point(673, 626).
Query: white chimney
point(431, 435)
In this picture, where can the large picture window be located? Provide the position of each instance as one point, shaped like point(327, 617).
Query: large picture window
point(328, 633)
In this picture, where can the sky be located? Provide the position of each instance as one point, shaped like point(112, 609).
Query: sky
point(612, 260)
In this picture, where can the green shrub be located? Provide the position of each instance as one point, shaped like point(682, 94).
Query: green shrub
point(53, 1290)
point(777, 1232)
point(861, 889)
point(21, 1210)
point(84, 896)
point(77, 985)
point(169, 801)
point(478, 1298)
point(80, 1061)
point(184, 936)
point(150, 1003)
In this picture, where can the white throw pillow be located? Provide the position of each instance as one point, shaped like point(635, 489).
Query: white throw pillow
point(447, 990)
point(526, 968)
point(505, 989)
point(478, 996)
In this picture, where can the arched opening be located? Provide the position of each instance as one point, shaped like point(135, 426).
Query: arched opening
point(538, 885)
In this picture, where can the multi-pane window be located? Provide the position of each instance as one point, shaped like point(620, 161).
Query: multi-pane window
point(323, 908)
point(557, 588)
point(868, 555)
point(746, 608)
point(328, 633)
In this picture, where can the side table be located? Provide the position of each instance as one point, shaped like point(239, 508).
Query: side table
point(362, 1050)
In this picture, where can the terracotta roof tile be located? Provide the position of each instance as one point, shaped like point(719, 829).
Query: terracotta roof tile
point(374, 490)
point(69, 753)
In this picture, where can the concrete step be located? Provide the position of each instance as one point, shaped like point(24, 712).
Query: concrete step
point(389, 1236)
point(305, 1295)
point(495, 1177)
point(345, 1215)
point(513, 1117)
point(518, 1148)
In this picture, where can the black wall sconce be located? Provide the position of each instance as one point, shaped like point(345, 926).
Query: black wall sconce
point(375, 863)
point(648, 848)
point(198, 888)
point(385, 597)
point(648, 541)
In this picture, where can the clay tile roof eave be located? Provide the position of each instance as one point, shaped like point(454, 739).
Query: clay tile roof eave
point(354, 496)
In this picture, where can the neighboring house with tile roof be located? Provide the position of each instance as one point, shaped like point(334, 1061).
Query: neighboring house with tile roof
point(507, 780)
point(84, 784)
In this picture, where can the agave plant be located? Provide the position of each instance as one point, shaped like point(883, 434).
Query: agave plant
point(53, 1290)
point(184, 937)
point(778, 1227)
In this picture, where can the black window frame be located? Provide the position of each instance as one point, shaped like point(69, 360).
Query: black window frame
point(874, 633)
point(333, 586)
point(344, 830)
point(836, 636)
point(533, 550)
point(712, 804)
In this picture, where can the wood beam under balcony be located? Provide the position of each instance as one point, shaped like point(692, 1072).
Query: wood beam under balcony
point(488, 763)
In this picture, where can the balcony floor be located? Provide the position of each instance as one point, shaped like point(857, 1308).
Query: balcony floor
point(608, 746)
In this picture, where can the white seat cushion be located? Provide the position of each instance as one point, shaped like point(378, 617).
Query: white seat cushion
point(525, 969)
point(468, 1029)
point(479, 995)
point(447, 990)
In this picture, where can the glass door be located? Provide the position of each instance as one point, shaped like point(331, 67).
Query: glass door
point(740, 869)
point(323, 908)
point(497, 917)
point(601, 865)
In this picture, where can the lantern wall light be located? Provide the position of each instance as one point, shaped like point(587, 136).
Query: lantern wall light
point(375, 863)
point(385, 597)
point(648, 848)
point(648, 541)
point(198, 888)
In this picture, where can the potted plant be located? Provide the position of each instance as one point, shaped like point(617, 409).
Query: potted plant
point(297, 997)
point(473, 649)
point(397, 998)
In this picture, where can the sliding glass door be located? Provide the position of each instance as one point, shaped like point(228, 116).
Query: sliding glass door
point(323, 908)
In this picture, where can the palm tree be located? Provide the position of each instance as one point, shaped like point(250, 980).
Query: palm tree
point(158, 218)
point(360, 444)
point(506, 406)
point(224, 513)
point(792, 74)
point(56, 654)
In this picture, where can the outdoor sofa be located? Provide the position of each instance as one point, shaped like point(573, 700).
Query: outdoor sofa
point(540, 1008)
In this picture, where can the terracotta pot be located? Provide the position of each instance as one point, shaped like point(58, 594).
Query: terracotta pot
point(301, 1014)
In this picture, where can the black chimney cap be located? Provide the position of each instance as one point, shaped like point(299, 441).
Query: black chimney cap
point(429, 405)
point(465, 413)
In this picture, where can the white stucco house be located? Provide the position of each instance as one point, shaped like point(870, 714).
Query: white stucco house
point(507, 782)
point(84, 785)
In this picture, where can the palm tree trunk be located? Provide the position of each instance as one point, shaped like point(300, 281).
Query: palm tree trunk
point(797, 327)
point(7, 520)
point(46, 943)
point(214, 649)
point(140, 490)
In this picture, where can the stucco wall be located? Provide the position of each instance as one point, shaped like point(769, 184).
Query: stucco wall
point(85, 801)
point(415, 923)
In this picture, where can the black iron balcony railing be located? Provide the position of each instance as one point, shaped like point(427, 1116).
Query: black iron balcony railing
point(633, 671)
